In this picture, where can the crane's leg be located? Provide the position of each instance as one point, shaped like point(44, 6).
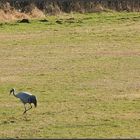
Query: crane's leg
point(29, 108)
point(25, 109)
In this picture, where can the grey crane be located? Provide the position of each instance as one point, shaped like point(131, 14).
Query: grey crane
point(25, 98)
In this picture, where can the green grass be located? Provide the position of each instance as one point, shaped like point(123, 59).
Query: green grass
point(84, 72)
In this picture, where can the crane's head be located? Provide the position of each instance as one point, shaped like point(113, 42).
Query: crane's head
point(12, 90)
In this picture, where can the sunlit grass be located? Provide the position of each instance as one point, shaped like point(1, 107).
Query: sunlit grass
point(84, 71)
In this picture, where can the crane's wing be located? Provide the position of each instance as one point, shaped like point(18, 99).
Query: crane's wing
point(24, 96)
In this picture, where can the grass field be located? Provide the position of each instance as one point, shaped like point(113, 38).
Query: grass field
point(84, 70)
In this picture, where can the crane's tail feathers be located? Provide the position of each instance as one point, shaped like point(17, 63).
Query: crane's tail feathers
point(35, 103)
point(33, 100)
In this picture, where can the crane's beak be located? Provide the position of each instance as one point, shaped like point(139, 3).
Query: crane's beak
point(10, 92)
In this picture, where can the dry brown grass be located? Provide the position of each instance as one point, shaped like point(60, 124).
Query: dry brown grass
point(9, 14)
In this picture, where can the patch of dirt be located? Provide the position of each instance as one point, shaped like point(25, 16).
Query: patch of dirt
point(128, 116)
point(118, 53)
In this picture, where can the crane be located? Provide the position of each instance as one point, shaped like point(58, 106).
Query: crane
point(25, 98)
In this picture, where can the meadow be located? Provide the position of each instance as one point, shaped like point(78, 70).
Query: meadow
point(84, 70)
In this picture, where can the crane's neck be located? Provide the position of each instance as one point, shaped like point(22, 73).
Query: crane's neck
point(14, 93)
